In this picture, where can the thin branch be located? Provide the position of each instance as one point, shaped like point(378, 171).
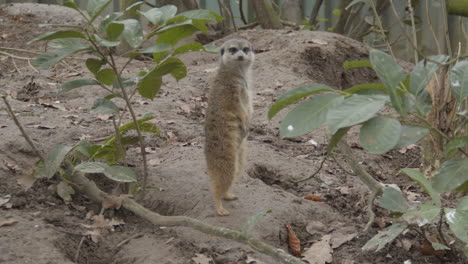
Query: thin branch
point(14, 56)
point(22, 50)
point(20, 127)
point(381, 29)
point(313, 174)
point(431, 27)
point(79, 248)
point(413, 27)
point(341, 165)
point(241, 11)
point(315, 11)
point(249, 26)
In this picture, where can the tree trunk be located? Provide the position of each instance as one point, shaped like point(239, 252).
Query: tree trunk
point(313, 16)
point(266, 15)
point(291, 10)
point(457, 7)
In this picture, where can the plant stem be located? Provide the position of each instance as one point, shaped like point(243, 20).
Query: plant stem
point(23, 132)
point(413, 27)
point(381, 29)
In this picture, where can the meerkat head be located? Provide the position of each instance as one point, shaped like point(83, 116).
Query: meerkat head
point(237, 53)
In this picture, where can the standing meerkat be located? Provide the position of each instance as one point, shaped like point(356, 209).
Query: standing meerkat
point(228, 119)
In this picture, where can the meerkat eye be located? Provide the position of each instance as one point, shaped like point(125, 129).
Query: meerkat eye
point(232, 50)
point(246, 50)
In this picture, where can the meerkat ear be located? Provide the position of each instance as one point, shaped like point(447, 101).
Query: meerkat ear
point(222, 51)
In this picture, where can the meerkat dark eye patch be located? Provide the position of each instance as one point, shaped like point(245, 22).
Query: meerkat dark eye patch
point(222, 52)
point(233, 50)
point(246, 50)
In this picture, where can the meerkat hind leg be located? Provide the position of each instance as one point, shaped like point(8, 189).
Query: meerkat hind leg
point(229, 196)
point(218, 202)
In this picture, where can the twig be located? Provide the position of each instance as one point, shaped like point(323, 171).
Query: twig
point(439, 229)
point(413, 27)
point(125, 241)
point(446, 28)
point(249, 26)
point(79, 248)
point(381, 29)
point(20, 127)
point(341, 165)
point(431, 27)
point(14, 56)
point(241, 11)
point(313, 174)
point(119, 141)
point(313, 16)
point(22, 50)
point(16, 67)
point(370, 211)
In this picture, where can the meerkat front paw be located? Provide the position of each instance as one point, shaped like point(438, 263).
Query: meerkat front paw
point(229, 197)
point(222, 212)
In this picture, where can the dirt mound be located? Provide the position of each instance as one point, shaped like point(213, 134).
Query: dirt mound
point(50, 231)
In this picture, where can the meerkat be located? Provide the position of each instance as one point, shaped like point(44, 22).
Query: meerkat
point(228, 119)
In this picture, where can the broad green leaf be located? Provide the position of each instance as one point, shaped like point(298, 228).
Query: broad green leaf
point(391, 75)
point(104, 106)
point(58, 35)
point(202, 14)
point(392, 199)
point(380, 134)
point(348, 65)
point(418, 177)
point(114, 30)
point(200, 25)
point(95, 8)
point(295, 95)
point(149, 86)
point(133, 32)
point(252, 221)
point(108, 20)
point(158, 47)
point(463, 204)
point(211, 49)
point(454, 144)
point(134, 5)
point(335, 139)
point(459, 80)
point(105, 42)
point(91, 167)
point(452, 174)
point(131, 125)
point(106, 76)
point(54, 160)
point(354, 2)
point(422, 214)
point(111, 151)
point(410, 135)
point(71, 4)
point(384, 237)
point(94, 65)
point(367, 88)
point(458, 222)
point(114, 172)
point(65, 48)
point(159, 16)
point(70, 85)
point(64, 190)
point(309, 115)
point(174, 33)
point(86, 149)
point(192, 46)
point(354, 110)
point(422, 74)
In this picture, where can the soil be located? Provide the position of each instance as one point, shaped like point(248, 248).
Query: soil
point(48, 230)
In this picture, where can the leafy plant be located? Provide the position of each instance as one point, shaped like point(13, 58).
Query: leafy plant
point(379, 133)
point(99, 41)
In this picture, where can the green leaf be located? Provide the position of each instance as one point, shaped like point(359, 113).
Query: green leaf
point(354, 2)
point(108, 20)
point(252, 221)
point(58, 35)
point(131, 125)
point(71, 4)
point(64, 190)
point(202, 14)
point(115, 172)
point(105, 42)
point(149, 86)
point(173, 33)
point(65, 48)
point(309, 115)
point(104, 106)
point(134, 5)
point(211, 49)
point(422, 74)
point(86, 149)
point(54, 160)
point(354, 110)
point(158, 47)
point(94, 65)
point(348, 65)
point(193, 46)
point(454, 144)
point(114, 30)
point(367, 88)
point(295, 95)
point(459, 80)
point(410, 135)
point(70, 85)
point(159, 16)
point(106, 76)
point(133, 32)
point(335, 139)
point(422, 214)
point(418, 177)
point(95, 7)
point(391, 75)
point(452, 174)
point(463, 204)
point(380, 134)
point(384, 237)
point(392, 199)
point(458, 221)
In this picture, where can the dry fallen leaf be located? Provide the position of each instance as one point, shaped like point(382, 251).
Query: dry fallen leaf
point(320, 252)
point(8, 222)
point(201, 259)
point(314, 198)
point(5, 199)
point(316, 226)
point(11, 166)
point(94, 234)
point(154, 162)
point(27, 180)
point(253, 260)
point(43, 127)
point(293, 241)
point(338, 238)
